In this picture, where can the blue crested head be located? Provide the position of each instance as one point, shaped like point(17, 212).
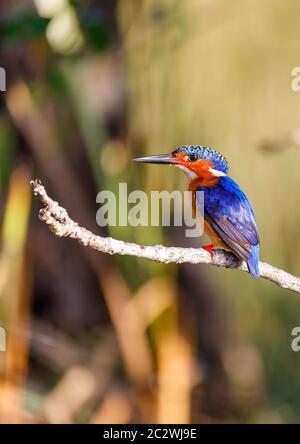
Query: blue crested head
point(196, 152)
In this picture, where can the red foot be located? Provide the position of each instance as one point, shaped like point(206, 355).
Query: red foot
point(209, 248)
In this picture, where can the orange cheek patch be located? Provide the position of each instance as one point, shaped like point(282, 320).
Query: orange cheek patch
point(204, 177)
point(181, 156)
point(200, 168)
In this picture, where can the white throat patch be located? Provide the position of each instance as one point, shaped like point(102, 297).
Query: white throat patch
point(188, 172)
point(216, 173)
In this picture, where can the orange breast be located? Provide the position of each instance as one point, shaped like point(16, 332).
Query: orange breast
point(209, 231)
point(207, 180)
point(212, 235)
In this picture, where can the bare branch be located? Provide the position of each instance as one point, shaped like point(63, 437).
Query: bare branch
point(63, 226)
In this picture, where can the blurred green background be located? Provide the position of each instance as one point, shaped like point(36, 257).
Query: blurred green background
point(90, 85)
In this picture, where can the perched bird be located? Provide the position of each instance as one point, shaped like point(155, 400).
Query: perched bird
point(229, 220)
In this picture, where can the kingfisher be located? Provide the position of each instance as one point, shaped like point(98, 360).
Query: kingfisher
point(229, 220)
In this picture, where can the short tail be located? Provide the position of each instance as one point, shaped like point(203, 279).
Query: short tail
point(253, 261)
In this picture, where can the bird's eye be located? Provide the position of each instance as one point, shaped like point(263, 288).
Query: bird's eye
point(193, 157)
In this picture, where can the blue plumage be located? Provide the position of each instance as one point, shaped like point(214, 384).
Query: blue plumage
point(229, 213)
point(253, 261)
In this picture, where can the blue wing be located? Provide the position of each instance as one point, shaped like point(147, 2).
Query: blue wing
point(229, 213)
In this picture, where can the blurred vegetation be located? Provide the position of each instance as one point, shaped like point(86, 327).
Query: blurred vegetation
point(90, 85)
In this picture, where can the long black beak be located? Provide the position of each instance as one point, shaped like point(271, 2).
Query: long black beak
point(159, 158)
